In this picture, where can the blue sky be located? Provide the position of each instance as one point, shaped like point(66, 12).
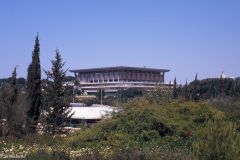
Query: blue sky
point(185, 36)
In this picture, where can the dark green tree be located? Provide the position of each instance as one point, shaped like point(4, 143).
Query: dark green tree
point(175, 94)
point(237, 88)
point(207, 89)
point(55, 100)
point(196, 89)
point(34, 88)
point(11, 110)
point(221, 86)
point(13, 86)
point(4, 109)
point(229, 87)
point(185, 92)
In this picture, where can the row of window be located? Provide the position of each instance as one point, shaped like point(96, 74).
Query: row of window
point(110, 76)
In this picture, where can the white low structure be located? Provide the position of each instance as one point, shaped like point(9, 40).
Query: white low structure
point(94, 112)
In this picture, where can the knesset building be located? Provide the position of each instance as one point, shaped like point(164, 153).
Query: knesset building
point(113, 79)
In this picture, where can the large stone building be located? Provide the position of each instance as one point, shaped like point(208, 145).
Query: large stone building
point(112, 79)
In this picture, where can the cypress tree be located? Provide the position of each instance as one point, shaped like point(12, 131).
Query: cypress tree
point(55, 99)
point(175, 88)
point(12, 100)
point(13, 86)
point(196, 89)
point(185, 94)
point(34, 88)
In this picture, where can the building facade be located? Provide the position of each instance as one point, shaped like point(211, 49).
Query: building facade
point(112, 79)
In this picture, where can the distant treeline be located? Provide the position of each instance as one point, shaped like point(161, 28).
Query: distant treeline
point(195, 90)
point(22, 82)
point(6, 81)
point(213, 87)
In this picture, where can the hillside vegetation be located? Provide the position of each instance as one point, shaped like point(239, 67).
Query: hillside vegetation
point(174, 129)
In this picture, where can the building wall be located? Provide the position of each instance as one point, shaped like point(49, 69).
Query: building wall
point(123, 76)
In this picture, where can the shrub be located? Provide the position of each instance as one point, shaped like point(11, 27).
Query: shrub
point(142, 124)
point(152, 154)
point(44, 155)
point(161, 94)
point(230, 107)
point(218, 141)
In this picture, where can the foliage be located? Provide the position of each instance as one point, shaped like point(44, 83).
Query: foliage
point(13, 109)
point(12, 99)
point(195, 92)
point(130, 93)
point(13, 87)
point(230, 107)
point(175, 93)
point(21, 82)
point(141, 124)
point(160, 94)
point(44, 155)
point(141, 130)
point(34, 88)
point(70, 79)
point(218, 141)
point(185, 95)
point(217, 87)
point(39, 140)
point(135, 154)
point(152, 154)
point(70, 92)
point(57, 111)
point(18, 121)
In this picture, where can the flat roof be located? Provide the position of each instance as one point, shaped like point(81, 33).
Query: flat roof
point(95, 111)
point(119, 68)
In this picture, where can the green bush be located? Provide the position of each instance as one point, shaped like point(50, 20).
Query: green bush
point(160, 94)
point(231, 108)
point(219, 140)
point(152, 154)
point(44, 155)
point(141, 124)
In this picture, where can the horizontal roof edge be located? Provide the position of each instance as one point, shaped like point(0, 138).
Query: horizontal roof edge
point(119, 68)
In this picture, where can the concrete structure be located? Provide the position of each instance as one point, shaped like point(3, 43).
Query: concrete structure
point(112, 79)
point(89, 114)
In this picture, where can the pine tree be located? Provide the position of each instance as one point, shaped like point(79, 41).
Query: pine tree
point(175, 88)
point(55, 100)
point(34, 88)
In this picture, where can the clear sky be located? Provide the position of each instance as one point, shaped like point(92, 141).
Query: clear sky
point(185, 36)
